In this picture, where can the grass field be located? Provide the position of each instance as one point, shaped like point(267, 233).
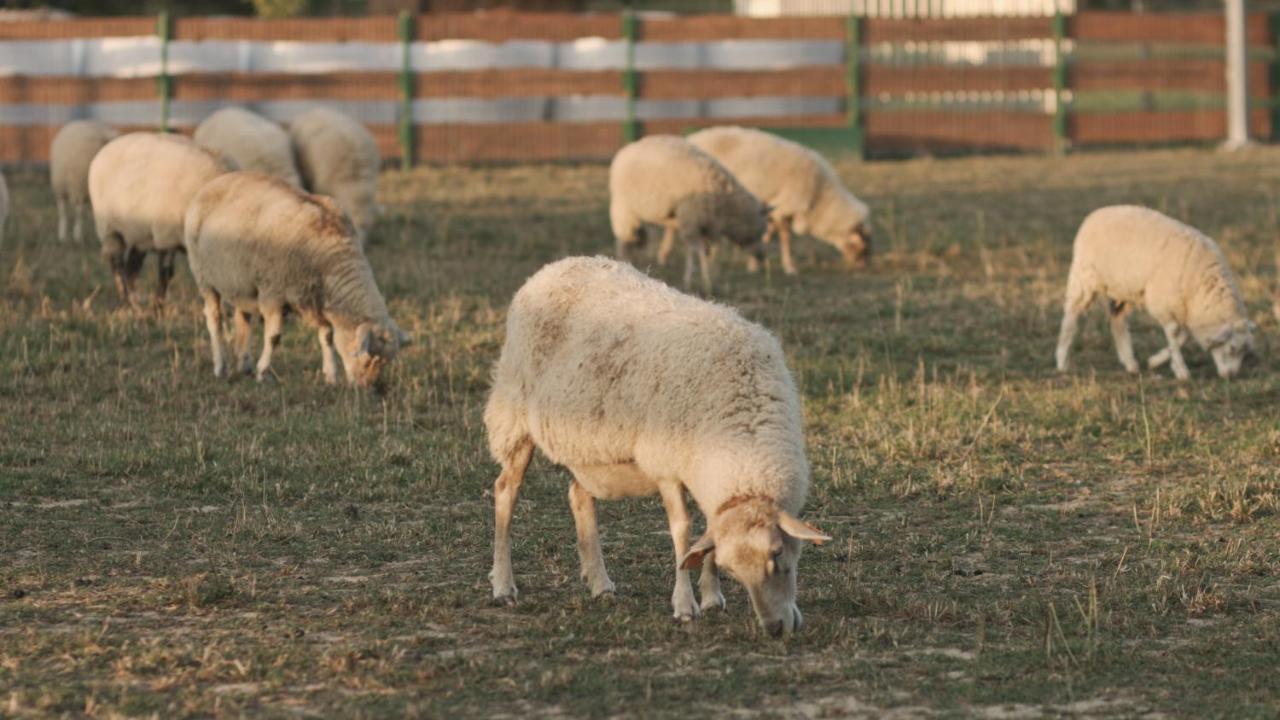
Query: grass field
point(1009, 542)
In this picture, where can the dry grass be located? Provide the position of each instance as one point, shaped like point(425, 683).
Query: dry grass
point(1010, 542)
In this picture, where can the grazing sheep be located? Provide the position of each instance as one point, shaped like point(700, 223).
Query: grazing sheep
point(70, 153)
point(665, 181)
point(640, 390)
point(4, 206)
point(266, 247)
point(253, 142)
point(338, 157)
point(801, 186)
point(1136, 257)
point(140, 185)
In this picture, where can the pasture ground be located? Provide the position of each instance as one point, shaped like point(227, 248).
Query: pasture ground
point(1009, 542)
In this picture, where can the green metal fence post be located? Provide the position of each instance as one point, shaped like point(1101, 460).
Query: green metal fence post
point(164, 83)
point(406, 91)
point(630, 128)
point(853, 82)
point(1060, 139)
point(1273, 22)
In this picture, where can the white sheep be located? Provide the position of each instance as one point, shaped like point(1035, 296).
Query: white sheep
point(4, 206)
point(70, 153)
point(663, 180)
point(1136, 257)
point(253, 142)
point(338, 157)
point(803, 189)
point(140, 185)
point(265, 247)
point(639, 390)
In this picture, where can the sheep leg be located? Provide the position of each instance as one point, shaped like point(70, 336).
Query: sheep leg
point(505, 491)
point(242, 340)
point(704, 264)
point(272, 323)
point(667, 245)
point(213, 319)
point(131, 263)
point(62, 219)
point(784, 243)
point(584, 519)
point(1175, 352)
point(78, 234)
point(709, 584)
point(166, 262)
point(1120, 334)
point(1163, 356)
point(328, 355)
point(682, 600)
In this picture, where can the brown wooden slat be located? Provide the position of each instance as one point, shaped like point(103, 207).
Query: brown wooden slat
point(878, 79)
point(677, 126)
point(30, 144)
point(503, 25)
point(518, 82)
point(1207, 28)
point(882, 30)
point(668, 84)
point(1203, 75)
point(61, 90)
point(1154, 126)
point(253, 87)
point(702, 28)
point(370, 29)
point(930, 130)
point(514, 142)
point(77, 28)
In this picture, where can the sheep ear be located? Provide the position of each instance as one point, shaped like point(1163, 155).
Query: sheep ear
point(800, 530)
point(692, 560)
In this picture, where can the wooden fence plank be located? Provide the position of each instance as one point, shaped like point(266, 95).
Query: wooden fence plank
point(922, 131)
point(515, 142)
point(1199, 75)
point(367, 29)
point(885, 30)
point(704, 28)
point(1155, 126)
point(518, 82)
point(1207, 28)
point(59, 90)
point(78, 28)
point(706, 84)
point(896, 80)
point(502, 25)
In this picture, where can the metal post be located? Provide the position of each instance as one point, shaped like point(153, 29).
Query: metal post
point(406, 91)
point(1060, 139)
point(853, 82)
point(630, 127)
point(164, 83)
point(1237, 87)
point(1273, 20)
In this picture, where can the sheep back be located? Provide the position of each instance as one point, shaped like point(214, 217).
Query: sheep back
point(252, 141)
point(602, 365)
point(70, 153)
point(140, 185)
point(338, 157)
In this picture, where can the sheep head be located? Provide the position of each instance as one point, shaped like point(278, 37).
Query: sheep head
point(758, 544)
point(856, 246)
point(367, 349)
point(1230, 346)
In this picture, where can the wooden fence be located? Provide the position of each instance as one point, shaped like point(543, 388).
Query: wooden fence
point(525, 86)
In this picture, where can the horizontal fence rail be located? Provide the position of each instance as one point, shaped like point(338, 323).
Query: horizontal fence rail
point(511, 86)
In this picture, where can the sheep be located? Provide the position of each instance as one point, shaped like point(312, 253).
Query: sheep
point(338, 157)
point(1136, 257)
point(252, 141)
point(266, 247)
point(70, 153)
point(663, 180)
point(139, 185)
point(4, 206)
point(806, 194)
point(639, 390)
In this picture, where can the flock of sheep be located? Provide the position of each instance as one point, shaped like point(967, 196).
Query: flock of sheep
point(636, 388)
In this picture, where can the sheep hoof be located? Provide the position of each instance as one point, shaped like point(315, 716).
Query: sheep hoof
point(506, 598)
point(713, 602)
point(266, 377)
point(604, 589)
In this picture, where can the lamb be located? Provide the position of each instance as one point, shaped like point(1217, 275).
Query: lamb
point(252, 141)
point(70, 153)
point(640, 390)
point(1136, 257)
point(806, 194)
point(338, 157)
point(140, 185)
point(663, 180)
point(266, 247)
